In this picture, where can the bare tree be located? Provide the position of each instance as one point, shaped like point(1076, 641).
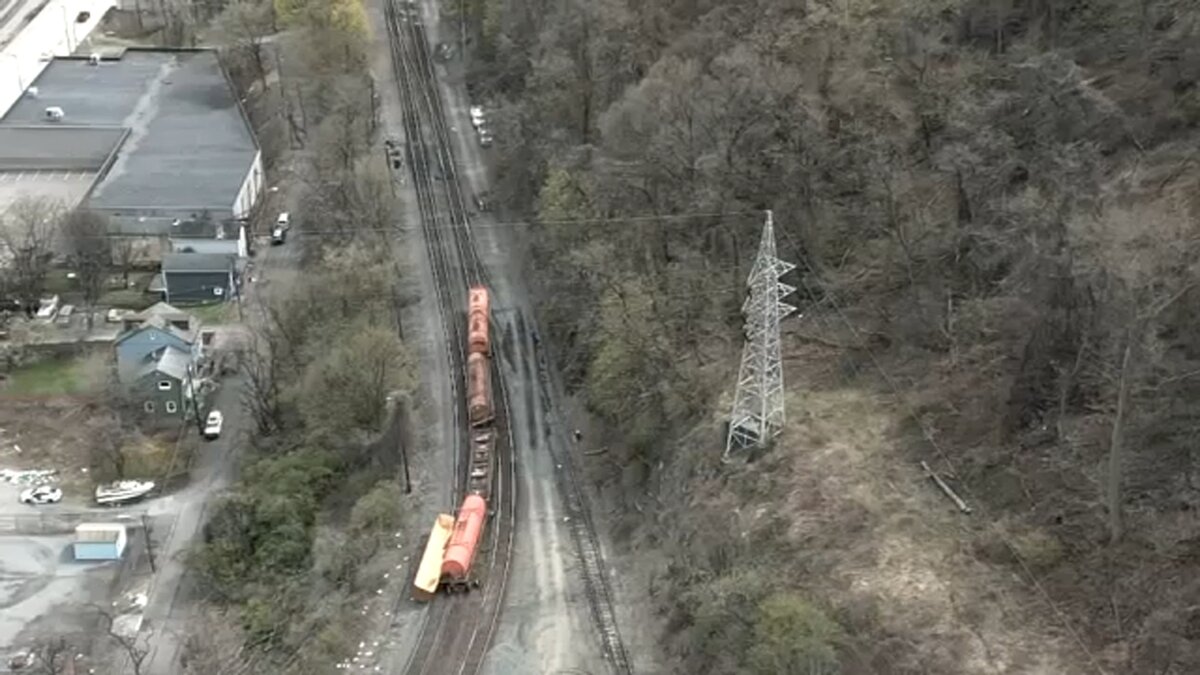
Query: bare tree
point(124, 253)
point(86, 236)
point(107, 453)
point(1139, 265)
point(246, 24)
point(27, 233)
point(51, 656)
point(261, 363)
point(133, 651)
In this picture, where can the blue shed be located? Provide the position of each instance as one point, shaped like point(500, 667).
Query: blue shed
point(99, 541)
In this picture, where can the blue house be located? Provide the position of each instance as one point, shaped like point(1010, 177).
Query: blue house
point(136, 345)
point(158, 357)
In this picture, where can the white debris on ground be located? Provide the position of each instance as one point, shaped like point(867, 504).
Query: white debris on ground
point(28, 476)
point(129, 620)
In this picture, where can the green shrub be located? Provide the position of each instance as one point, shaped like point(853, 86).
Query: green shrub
point(792, 636)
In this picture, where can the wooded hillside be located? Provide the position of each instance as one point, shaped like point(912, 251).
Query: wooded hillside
point(993, 206)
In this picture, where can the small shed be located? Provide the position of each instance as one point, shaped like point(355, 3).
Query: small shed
point(99, 541)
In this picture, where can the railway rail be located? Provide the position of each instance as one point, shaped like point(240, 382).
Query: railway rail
point(457, 629)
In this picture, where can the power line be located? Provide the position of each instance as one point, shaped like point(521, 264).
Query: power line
point(932, 440)
point(449, 224)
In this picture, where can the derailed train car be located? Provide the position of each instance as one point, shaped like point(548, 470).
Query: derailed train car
point(464, 544)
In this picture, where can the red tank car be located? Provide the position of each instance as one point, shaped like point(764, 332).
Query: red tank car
point(479, 390)
point(479, 309)
point(464, 543)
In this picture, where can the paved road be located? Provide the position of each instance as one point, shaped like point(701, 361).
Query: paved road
point(165, 618)
point(170, 608)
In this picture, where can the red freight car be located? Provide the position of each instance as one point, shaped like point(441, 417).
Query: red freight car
point(479, 390)
point(478, 314)
point(464, 543)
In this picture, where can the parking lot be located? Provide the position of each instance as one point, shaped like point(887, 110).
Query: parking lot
point(44, 591)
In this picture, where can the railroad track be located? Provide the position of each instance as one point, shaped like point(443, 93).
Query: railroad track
point(458, 629)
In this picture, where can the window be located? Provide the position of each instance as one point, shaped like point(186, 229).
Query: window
point(149, 406)
point(171, 406)
point(164, 385)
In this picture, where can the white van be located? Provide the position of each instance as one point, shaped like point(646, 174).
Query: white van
point(282, 220)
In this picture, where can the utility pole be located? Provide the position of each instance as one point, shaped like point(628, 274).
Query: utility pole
point(149, 546)
point(758, 404)
point(191, 373)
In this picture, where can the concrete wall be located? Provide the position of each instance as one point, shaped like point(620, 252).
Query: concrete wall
point(251, 189)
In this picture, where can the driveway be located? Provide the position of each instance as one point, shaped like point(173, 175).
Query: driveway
point(165, 617)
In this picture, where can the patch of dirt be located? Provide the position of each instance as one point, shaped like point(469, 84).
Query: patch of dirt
point(53, 433)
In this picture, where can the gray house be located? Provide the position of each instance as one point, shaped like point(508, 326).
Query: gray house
point(199, 277)
point(209, 236)
point(163, 385)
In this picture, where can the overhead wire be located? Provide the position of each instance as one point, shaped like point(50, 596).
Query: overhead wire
point(447, 224)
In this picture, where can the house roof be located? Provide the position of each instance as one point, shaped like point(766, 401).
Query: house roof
point(196, 229)
point(57, 148)
point(197, 262)
point(189, 146)
point(168, 312)
point(174, 362)
point(168, 361)
point(161, 323)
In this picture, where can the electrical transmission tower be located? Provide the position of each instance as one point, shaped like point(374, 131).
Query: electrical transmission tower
point(758, 412)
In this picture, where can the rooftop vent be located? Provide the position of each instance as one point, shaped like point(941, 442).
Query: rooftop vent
point(54, 113)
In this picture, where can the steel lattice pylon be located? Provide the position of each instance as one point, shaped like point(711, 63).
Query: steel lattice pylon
point(758, 404)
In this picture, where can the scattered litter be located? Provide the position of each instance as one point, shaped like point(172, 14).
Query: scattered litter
point(27, 477)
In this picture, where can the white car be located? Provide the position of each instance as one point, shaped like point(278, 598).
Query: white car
point(42, 494)
point(283, 220)
point(212, 425)
point(476, 116)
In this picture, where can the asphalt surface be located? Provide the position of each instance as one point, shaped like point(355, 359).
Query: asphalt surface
point(170, 606)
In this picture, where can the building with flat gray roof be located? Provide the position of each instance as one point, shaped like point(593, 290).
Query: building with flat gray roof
point(162, 130)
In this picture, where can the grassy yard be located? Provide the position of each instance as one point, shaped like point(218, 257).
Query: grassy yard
point(52, 376)
point(213, 313)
